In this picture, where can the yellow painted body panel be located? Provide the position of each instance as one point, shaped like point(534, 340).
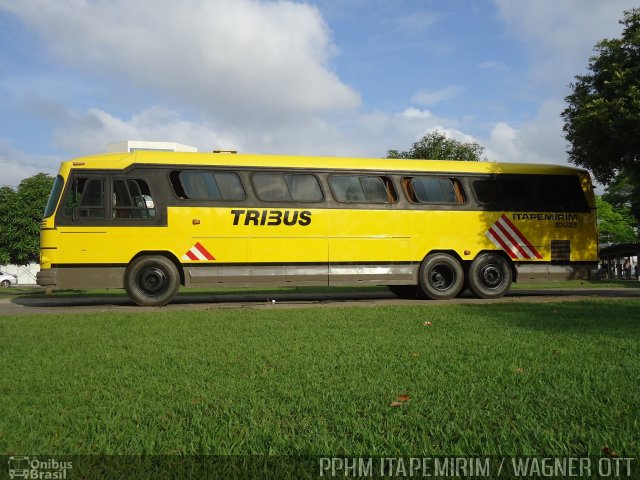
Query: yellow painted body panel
point(333, 235)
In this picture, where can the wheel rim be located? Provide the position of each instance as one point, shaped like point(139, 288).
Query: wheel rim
point(152, 281)
point(441, 277)
point(6, 283)
point(491, 275)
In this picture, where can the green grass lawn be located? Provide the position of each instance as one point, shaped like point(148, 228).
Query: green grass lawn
point(481, 379)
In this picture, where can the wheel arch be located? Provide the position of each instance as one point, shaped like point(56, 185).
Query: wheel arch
point(453, 253)
point(162, 253)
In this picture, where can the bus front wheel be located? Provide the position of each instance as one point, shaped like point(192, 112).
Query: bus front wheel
point(490, 275)
point(441, 276)
point(152, 281)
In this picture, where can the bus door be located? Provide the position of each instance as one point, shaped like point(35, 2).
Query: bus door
point(81, 222)
point(201, 228)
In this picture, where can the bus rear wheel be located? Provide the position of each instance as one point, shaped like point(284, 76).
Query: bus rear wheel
point(490, 275)
point(441, 276)
point(152, 281)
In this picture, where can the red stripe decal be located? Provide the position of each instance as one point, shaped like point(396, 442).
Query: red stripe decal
point(502, 244)
point(204, 251)
point(191, 255)
point(524, 239)
point(513, 241)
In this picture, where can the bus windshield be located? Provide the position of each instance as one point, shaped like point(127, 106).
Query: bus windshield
point(58, 183)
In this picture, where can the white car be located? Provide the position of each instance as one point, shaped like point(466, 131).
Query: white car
point(7, 279)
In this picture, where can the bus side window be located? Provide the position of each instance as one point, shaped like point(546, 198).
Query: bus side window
point(458, 191)
point(531, 192)
point(427, 189)
point(488, 192)
point(347, 188)
point(85, 198)
point(408, 190)
point(362, 188)
point(374, 189)
point(304, 187)
point(289, 187)
point(207, 185)
point(132, 199)
point(561, 193)
point(230, 186)
point(271, 187)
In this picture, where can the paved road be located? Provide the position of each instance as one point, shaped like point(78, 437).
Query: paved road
point(120, 303)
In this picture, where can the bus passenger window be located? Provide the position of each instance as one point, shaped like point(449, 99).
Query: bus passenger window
point(230, 186)
point(290, 187)
point(347, 189)
point(374, 189)
point(207, 185)
point(132, 199)
point(271, 187)
point(362, 188)
point(433, 190)
point(532, 192)
point(85, 198)
point(488, 192)
point(304, 187)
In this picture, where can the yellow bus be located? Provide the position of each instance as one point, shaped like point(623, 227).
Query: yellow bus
point(151, 221)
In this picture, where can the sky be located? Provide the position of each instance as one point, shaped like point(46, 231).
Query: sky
point(317, 77)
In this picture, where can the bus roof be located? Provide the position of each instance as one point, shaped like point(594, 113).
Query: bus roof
point(119, 161)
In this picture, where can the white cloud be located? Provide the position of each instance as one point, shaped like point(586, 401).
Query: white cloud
point(16, 165)
point(432, 97)
point(91, 131)
point(559, 38)
point(245, 60)
point(539, 140)
point(416, 113)
point(358, 134)
point(255, 76)
point(560, 35)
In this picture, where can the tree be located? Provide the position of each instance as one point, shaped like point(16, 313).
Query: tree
point(624, 192)
point(437, 146)
point(615, 225)
point(602, 119)
point(20, 217)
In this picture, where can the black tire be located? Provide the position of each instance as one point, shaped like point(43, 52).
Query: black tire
point(6, 283)
point(404, 291)
point(490, 275)
point(152, 281)
point(441, 276)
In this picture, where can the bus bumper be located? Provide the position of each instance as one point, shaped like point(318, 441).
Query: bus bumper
point(549, 273)
point(74, 277)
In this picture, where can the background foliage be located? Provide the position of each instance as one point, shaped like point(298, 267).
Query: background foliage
point(437, 146)
point(615, 225)
point(602, 119)
point(20, 217)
